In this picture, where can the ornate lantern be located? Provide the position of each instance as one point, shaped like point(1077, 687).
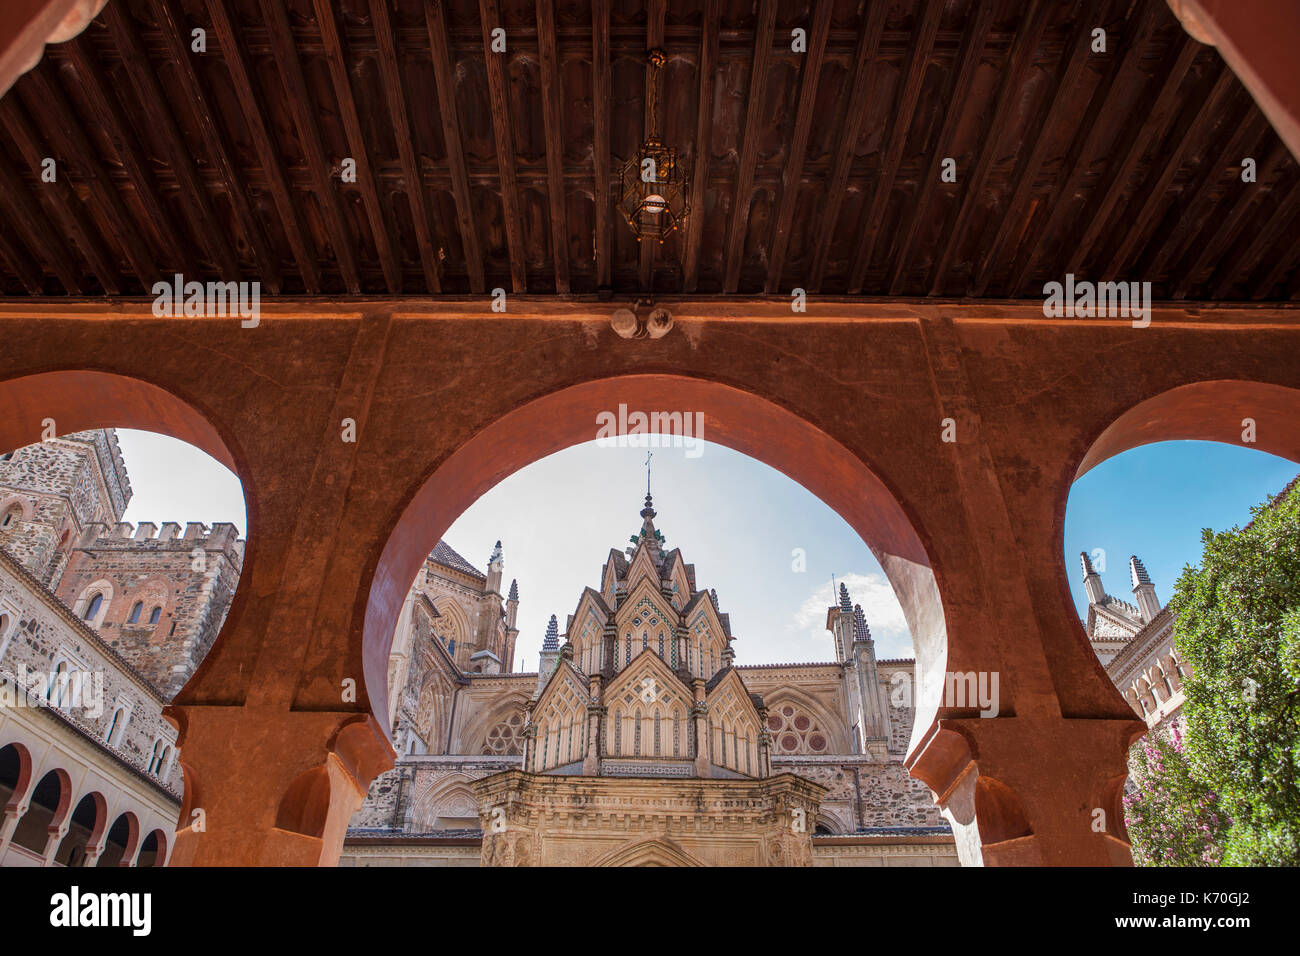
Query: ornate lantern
point(652, 185)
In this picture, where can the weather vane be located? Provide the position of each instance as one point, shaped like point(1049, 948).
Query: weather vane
point(648, 456)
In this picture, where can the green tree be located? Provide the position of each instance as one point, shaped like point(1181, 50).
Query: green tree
point(1237, 623)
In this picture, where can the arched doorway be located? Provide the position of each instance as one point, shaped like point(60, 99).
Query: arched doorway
point(732, 417)
point(87, 825)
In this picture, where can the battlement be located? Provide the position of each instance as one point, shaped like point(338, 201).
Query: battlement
point(222, 536)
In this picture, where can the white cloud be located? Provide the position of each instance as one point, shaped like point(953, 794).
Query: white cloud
point(879, 605)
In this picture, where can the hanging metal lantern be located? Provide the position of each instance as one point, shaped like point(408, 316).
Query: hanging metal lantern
point(653, 186)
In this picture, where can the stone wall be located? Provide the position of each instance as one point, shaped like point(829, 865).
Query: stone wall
point(39, 633)
point(190, 576)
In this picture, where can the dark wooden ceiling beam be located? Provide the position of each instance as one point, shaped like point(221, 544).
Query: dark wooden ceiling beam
point(79, 157)
point(304, 120)
point(435, 21)
point(706, 67)
point(554, 126)
point(1238, 266)
point(27, 271)
point(499, 93)
point(601, 94)
point(177, 38)
point(60, 202)
point(1013, 217)
point(792, 176)
point(1019, 62)
point(1129, 151)
point(655, 12)
point(380, 229)
point(1221, 225)
point(868, 43)
point(972, 49)
point(125, 145)
point(1195, 207)
point(143, 76)
point(918, 59)
point(35, 225)
point(413, 184)
point(1106, 101)
point(1282, 223)
point(250, 102)
point(1201, 127)
point(764, 30)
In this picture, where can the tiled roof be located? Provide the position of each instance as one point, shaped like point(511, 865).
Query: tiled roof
point(443, 554)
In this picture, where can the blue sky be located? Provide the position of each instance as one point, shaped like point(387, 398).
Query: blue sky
point(739, 522)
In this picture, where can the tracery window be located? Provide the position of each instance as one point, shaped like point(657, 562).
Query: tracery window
point(503, 739)
point(793, 731)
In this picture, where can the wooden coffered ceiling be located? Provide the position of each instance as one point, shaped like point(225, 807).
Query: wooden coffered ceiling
point(476, 170)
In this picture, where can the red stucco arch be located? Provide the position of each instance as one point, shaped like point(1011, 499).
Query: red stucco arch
point(733, 417)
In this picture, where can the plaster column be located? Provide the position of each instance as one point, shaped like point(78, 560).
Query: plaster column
point(1022, 791)
point(595, 720)
point(700, 711)
point(266, 786)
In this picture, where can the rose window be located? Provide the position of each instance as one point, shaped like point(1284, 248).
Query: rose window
point(795, 732)
point(503, 739)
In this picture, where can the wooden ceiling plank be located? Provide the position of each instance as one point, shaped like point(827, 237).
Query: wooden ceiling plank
point(656, 11)
point(918, 58)
point(764, 36)
point(1119, 171)
point(1020, 59)
point(34, 228)
point(1198, 211)
point(551, 118)
point(868, 43)
point(444, 78)
point(1228, 272)
point(255, 117)
point(1066, 87)
point(602, 93)
point(194, 197)
point(1219, 229)
point(974, 37)
point(1106, 101)
point(380, 229)
point(176, 39)
point(285, 51)
point(127, 148)
point(61, 203)
point(499, 93)
point(792, 176)
point(48, 95)
point(413, 184)
point(28, 272)
point(1206, 113)
point(1281, 224)
point(708, 66)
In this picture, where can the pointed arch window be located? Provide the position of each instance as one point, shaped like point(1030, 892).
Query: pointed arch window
point(154, 615)
point(93, 607)
point(136, 608)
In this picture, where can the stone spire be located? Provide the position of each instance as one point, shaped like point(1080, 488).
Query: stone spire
point(1145, 592)
point(552, 640)
point(1092, 581)
point(845, 604)
point(496, 564)
point(514, 589)
point(550, 655)
point(512, 605)
point(862, 632)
